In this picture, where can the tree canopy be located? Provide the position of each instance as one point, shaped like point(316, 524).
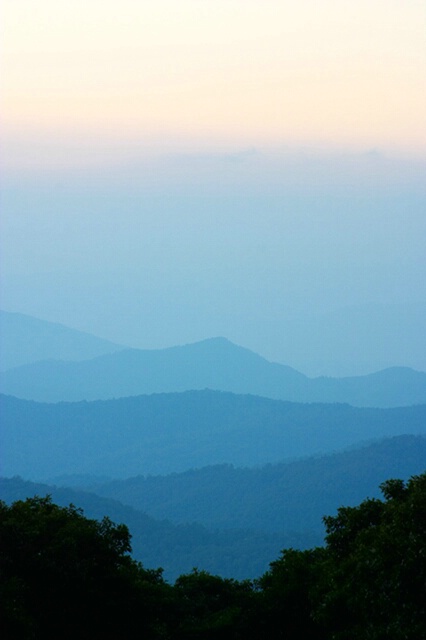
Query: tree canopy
point(65, 576)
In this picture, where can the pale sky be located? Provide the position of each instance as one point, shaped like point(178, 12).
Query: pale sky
point(178, 169)
point(215, 73)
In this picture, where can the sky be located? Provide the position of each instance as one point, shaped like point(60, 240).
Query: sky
point(176, 170)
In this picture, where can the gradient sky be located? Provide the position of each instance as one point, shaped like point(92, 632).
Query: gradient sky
point(179, 169)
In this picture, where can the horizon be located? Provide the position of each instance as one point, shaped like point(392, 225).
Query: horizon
point(180, 170)
point(224, 339)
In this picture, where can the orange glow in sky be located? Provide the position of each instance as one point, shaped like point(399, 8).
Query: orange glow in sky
point(218, 72)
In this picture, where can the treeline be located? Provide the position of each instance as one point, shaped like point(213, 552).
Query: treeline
point(66, 576)
point(290, 496)
point(167, 433)
point(233, 553)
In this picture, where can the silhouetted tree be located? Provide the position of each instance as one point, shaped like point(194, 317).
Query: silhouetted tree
point(377, 554)
point(212, 607)
point(65, 576)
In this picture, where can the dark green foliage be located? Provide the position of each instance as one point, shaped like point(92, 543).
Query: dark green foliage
point(290, 591)
point(378, 554)
point(250, 514)
point(211, 607)
point(368, 583)
point(64, 576)
point(176, 547)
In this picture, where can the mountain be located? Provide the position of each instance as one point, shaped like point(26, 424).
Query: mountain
point(164, 433)
point(215, 364)
point(233, 521)
point(351, 340)
point(282, 497)
point(177, 548)
point(24, 339)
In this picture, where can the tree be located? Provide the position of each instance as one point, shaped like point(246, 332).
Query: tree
point(211, 607)
point(378, 565)
point(368, 582)
point(290, 591)
point(65, 576)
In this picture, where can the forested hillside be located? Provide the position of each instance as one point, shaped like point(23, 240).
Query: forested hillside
point(64, 576)
point(230, 520)
point(166, 433)
point(283, 497)
point(240, 553)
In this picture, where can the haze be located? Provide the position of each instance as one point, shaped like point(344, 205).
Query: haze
point(179, 170)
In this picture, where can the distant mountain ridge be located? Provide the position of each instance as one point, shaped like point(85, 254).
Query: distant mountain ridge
point(164, 433)
point(247, 515)
point(25, 339)
point(289, 496)
point(176, 548)
point(216, 364)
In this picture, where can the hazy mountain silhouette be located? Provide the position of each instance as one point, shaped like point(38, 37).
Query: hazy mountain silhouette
point(176, 548)
point(288, 496)
point(24, 339)
point(354, 340)
point(215, 364)
point(249, 514)
point(164, 433)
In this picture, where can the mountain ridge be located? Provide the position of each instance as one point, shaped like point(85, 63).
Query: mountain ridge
point(160, 543)
point(232, 520)
point(25, 339)
point(292, 495)
point(164, 433)
point(213, 363)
